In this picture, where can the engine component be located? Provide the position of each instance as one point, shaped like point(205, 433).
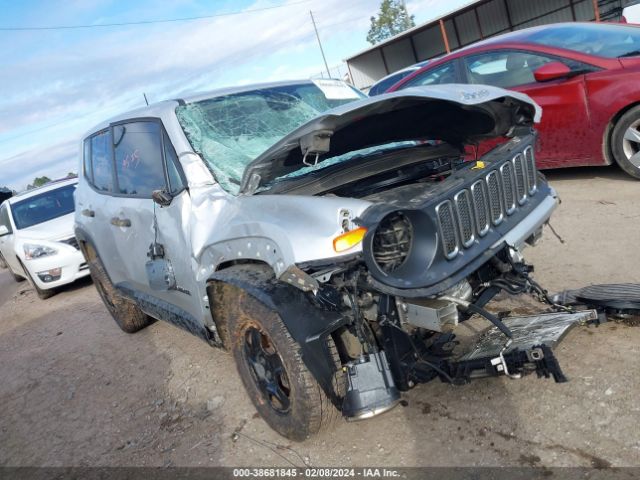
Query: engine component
point(370, 387)
point(392, 242)
point(431, 314)
point(462, 290)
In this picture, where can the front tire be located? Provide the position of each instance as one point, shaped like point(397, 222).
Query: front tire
point(625, 142)
point(283, 390)
point(127, 314)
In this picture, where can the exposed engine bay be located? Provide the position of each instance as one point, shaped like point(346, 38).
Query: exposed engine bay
point(400, 318)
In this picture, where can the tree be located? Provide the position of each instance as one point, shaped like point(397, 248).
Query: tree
point(72, 175)
point(40, 181)
point(393, 18)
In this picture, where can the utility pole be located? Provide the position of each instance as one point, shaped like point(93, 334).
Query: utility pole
point(320, 44)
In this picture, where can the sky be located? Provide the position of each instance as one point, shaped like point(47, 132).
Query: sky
point(55, 84)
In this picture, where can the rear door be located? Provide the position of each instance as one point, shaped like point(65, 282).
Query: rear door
point(93, 204)
point(566, 121)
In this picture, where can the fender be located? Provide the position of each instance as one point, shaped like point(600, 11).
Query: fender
point(84, 238)
point(308, 324)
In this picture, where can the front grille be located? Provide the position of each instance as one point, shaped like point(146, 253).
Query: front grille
point(521, 178)
point(465, 217)
point(532, 173)
point(489, 200)
point(392, 242)
point(480, 206)
point(448, 231)
point(71, 241)
point(495, 197)
point(508, 187)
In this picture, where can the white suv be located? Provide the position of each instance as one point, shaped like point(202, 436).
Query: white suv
point(37, 240)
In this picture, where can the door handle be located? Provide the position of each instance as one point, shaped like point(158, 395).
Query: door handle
point(88, 213)
point(120, 222)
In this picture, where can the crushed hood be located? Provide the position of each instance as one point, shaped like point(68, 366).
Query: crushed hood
point(457, 114)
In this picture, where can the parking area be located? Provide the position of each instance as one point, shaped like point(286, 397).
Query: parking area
point(78, 391)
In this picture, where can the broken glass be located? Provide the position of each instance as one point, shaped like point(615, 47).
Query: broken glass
point(231, 131)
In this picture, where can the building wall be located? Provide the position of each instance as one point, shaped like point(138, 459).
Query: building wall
point(479, 21)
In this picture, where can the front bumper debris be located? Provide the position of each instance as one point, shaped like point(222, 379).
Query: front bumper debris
point(530, 350)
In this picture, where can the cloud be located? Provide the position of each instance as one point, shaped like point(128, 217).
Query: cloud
point(54, 161)
point(61, 84)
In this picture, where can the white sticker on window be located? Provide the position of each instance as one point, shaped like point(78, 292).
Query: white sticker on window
point(336, 89)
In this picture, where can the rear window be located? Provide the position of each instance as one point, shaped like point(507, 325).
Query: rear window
point(101, 164)
point(43, 207)
point(603, 40)
point(386, 83)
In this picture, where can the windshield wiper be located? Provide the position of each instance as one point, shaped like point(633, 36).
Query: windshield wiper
point(630, 54)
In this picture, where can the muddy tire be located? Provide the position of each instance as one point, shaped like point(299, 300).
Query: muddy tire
point(268, 359)
point(3, 262)
point(625, 142)
point(127, 314)
point(42, 294)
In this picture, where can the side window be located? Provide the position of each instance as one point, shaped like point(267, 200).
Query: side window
point(86, 160)
point(138, 157)
point(176, 184)
point(4, 217)
point(505, 68)
point(101, 164)
point(443, 74)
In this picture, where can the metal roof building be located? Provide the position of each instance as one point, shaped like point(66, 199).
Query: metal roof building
point(474, 21)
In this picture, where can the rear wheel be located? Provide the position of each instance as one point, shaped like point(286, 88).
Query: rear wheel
point(625, 142)
point(127, 314)
point(42, 294)
point(3, 263)
point(268, 359)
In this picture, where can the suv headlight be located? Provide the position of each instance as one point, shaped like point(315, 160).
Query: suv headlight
point(32, 251)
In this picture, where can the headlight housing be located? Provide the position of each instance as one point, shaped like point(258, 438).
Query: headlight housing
point(400, 247)
point(32, 251)
point(392, 242)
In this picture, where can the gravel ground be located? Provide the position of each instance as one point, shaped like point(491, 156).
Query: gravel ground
point(76, 391)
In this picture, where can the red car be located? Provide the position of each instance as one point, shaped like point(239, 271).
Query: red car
point(585, 76)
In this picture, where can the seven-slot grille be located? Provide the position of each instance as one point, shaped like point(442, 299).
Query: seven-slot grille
point(487, 202)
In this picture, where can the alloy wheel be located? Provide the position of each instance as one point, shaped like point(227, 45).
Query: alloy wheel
point(267, 369)
point(631, 143)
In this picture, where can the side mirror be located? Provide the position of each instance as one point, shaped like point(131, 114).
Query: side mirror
point(3, 230)
point(162, 197)
point(551, 71)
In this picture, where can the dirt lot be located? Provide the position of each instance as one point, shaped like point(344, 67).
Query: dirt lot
point(75, 390)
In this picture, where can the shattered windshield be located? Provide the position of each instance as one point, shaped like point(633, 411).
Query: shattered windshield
point(230, 131)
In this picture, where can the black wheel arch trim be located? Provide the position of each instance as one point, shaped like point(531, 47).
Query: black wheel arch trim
point(307, 324)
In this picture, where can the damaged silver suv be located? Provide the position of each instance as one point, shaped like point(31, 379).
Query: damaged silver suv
point(331, 242)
